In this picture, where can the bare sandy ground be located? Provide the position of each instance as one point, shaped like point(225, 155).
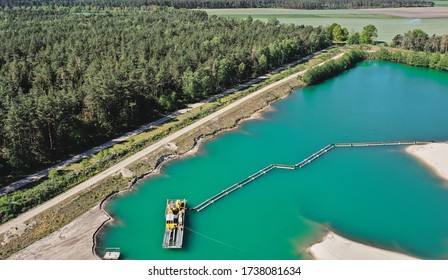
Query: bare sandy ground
point(72, 242)
point(335, 247)
point(435, 155)
point(417, 13)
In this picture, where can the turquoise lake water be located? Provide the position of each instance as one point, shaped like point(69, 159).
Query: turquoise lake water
point(377, 195)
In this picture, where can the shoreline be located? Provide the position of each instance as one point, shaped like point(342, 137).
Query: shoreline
point(336, 247)
point(71, 242)
point(434, 156)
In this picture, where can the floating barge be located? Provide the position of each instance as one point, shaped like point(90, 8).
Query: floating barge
point(175, 221)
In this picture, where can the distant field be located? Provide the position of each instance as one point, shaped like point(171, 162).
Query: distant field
point(441, 3)
point(388, 25)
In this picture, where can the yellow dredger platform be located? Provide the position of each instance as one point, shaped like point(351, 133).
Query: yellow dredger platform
point(175, 221)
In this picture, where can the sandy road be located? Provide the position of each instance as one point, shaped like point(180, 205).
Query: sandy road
point(21, 219)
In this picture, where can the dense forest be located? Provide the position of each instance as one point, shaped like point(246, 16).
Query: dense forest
point(193, 4)
point(67, 80)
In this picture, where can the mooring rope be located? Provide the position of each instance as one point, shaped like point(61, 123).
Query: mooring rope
point(216, 240)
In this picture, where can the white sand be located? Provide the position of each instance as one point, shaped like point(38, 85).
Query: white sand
point(335, 247)
point(435, 155)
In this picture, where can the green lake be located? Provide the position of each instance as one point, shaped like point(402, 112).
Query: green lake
point(376, 195)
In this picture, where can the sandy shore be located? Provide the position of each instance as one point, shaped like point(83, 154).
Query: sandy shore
point(435, 155)
point(335, 247)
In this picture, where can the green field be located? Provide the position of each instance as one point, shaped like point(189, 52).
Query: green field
point(353, 20)
point(441, 3)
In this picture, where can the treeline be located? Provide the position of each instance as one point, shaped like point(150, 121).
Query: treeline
point(333, 67)
point(67, 80)
point(426, 51)
point(423, 59)
point(418, 40)
point(193, 4)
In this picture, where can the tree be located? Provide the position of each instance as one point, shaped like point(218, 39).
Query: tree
point(337, 33)
point(415, 40)
point(354, 39)
point(273, 21)
point(444, 43)
point(397, 41)
point(52, 174)
point(434, 60)
point(443, 63)
point(368, 33)
point(224, 72)
point(190, 86)
point(433, 44)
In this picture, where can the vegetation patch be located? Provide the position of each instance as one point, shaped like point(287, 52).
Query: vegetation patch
point(422, 59)
point(333, 68)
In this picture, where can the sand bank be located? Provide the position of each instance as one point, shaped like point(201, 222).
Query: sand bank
point(72, 242)
point(435, 155)
point(335, 247)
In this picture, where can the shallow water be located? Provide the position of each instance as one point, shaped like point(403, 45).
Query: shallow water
point(377, 195)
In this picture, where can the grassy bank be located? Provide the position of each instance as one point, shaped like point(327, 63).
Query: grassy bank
point(62, 214)
point(422, 59)
point(333, 68)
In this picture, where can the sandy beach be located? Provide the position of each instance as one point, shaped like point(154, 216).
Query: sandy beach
point(335, 247)
point(434, 155)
